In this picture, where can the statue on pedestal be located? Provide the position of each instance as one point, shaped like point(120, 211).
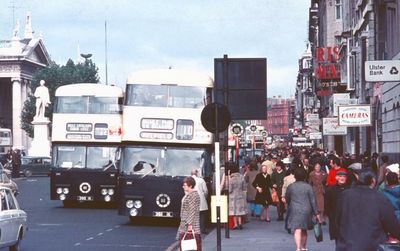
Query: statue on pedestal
point(40, 145)
point(42, 99)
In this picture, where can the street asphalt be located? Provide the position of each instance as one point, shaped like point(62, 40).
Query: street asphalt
point(51, 227)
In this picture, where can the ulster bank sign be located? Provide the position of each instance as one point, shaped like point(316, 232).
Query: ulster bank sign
point(382, 71)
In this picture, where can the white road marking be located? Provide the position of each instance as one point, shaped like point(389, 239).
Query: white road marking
point(77, 244)
point(110, 229)
point(122, 246)
point(49, 224)
point(90, 238)
point(99, 234)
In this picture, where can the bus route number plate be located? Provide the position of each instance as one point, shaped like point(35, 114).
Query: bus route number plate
point(85, 198)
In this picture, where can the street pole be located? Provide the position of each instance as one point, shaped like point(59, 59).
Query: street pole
point(225, 65)
point(217, 179)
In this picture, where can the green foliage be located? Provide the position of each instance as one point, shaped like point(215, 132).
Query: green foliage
point(56, 76)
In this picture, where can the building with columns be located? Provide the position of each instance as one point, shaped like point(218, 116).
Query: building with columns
point(20, 57)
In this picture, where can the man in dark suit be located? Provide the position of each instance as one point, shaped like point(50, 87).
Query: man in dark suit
point(364, 217)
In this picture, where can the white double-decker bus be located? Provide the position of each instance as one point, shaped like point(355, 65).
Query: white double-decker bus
point(5, 140)
point(163, 140)
point(86, 136)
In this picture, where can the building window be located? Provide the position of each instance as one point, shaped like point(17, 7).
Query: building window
point(338, 40)
point(338, 9)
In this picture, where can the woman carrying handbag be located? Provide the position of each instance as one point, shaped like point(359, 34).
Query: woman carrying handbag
point(189, 228)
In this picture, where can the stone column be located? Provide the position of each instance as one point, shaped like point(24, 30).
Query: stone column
point(24, 96)
point(16, 112)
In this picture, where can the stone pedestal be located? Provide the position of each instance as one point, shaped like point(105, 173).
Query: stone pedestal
point(40, 144)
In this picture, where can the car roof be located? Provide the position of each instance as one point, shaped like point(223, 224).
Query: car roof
point(5, 188)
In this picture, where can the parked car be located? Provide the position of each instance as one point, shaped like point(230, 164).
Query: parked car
point(35, 165)
point(6, 181)
point(12, 220)
point(5, 169)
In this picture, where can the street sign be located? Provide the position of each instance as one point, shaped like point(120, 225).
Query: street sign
point(208, 117)
point(315, 135)
point(355, 115)
point(241, 83)
point(237, 129)
point(330, 126)
point(264, 134)
point(382, 71)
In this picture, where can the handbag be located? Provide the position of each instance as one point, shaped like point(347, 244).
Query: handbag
point(189, 244)
point(318, 231)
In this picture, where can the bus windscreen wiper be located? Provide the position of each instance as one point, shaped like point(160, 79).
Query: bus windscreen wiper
point(153, 169)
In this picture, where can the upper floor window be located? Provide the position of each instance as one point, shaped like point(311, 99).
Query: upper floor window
point(338, 9)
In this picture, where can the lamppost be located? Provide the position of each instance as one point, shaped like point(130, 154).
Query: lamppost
point(86, 56)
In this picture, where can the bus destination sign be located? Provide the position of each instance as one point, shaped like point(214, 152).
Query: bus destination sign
point(79, 127)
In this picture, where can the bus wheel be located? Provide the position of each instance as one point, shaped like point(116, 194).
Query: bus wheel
point(69, 203)
point(27, 173)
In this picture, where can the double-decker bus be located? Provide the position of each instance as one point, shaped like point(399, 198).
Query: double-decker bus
point(5, 140)
point(163, 140)
point(86, 135)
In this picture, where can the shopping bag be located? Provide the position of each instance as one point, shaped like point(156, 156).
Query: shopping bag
point(257, 209)
point(318, 231)
point(274, 196)
point(188, 244)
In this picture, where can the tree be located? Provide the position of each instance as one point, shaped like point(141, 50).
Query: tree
point(56, 76)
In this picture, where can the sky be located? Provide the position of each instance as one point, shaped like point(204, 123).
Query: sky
point(148, 34)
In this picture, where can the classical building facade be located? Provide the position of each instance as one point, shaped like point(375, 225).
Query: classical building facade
point(20, 57)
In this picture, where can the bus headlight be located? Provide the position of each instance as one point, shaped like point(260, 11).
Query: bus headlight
point(104, 191)
point(129, 203)
point(133, 212)
point(107, 198)
point(62, 197)
point(111, 191)
point(137, 204)
point(59, 190)
point(66, 190)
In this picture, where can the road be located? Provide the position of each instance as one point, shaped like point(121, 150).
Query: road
point(53, 227)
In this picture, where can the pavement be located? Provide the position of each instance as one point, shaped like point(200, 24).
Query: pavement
point(257, 235)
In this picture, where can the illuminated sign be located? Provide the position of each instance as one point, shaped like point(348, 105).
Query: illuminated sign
point(354, 115)
point(100, 131)
point(184, 129)
point(79, 127)
point(156, 135)
point(78, 136)
point(157, 124)
point(327, 67)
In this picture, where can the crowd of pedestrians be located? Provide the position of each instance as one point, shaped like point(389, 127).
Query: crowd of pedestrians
point(357, 196)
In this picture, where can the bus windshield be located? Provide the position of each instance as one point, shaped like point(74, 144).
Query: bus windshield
point(165, 161)
point(165, 96)
point(89, 157)
point(88, 105)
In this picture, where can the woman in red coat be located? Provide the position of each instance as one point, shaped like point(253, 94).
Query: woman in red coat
point(317, 179)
